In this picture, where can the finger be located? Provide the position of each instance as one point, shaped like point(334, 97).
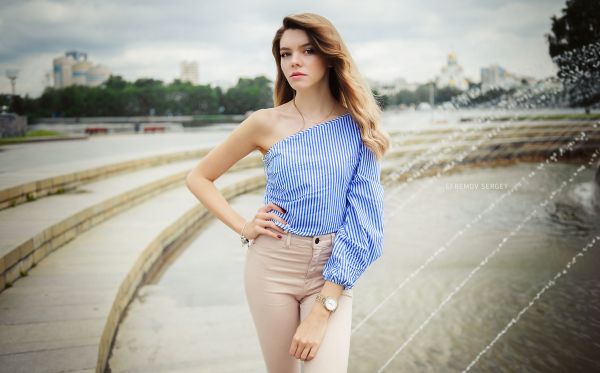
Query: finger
point(305, 353)
point(272, 206)
point(276, 227)
point(300, 349)
point(313, 353)
point(293, 347)
point(279, 208)
point(269, 233)
point(268, 216)
point(278, 218)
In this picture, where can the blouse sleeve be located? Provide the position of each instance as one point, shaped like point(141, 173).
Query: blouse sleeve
point(359, 241)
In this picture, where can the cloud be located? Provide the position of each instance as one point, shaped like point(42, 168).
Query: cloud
point(231, 39)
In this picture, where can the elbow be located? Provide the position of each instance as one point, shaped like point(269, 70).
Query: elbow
point(376, 243)
point(191, 179)
point(188, 180)
point(195, 181)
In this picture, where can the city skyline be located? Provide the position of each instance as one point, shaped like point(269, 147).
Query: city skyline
point(392, 40)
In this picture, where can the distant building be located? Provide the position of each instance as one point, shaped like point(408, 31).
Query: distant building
point(452, 75)
point(74, 69)
point(495, 76)
point(189, 72)
point(393, 87)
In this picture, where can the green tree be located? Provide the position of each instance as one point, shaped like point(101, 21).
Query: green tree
point(248, 94)
point(574, 45)
point(118, 97)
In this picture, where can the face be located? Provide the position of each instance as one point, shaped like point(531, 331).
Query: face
point(298, 55)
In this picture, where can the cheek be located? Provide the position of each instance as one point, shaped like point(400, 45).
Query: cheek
point(318, 68)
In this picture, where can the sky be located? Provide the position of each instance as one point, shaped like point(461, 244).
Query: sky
point(388, 40)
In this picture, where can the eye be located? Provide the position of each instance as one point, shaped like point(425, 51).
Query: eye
point(283, 54)
point(311, 50)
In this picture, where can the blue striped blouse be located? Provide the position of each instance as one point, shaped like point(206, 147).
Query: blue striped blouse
point(326, 180)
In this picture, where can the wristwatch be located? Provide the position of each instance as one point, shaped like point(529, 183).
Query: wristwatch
point(330, 303)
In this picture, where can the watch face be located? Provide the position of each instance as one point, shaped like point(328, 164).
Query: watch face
point(330, 304)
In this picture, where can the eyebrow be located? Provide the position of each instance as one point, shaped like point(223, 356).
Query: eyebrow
point(303, 45)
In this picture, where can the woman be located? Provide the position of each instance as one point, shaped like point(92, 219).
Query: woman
point(322, 220)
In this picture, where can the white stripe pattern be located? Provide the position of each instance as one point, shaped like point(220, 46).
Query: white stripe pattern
point(326, 180)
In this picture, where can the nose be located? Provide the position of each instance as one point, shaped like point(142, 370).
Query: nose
point(296, 59)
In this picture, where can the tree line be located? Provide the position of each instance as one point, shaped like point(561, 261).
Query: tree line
point(118, 97)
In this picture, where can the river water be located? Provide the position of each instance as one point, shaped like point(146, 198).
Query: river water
point(429, 326)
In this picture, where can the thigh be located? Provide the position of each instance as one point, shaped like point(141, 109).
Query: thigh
point(333, 354)
point(274, 310)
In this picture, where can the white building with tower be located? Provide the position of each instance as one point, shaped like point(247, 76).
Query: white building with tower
point(452, 75)
point(189, 72)
point(74, 69)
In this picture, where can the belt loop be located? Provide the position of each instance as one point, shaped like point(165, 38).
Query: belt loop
point(288, 238)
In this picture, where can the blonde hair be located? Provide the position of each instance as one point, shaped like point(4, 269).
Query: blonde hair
point(345, 81)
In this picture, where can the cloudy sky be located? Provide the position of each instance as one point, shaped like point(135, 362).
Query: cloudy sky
point(407, 39)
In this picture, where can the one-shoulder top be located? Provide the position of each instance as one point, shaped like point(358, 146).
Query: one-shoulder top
point(326, 180)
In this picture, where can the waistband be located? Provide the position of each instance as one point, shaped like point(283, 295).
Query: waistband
point(324, 236)
point(319, 238)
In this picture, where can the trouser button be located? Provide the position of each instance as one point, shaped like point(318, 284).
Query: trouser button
point(317, 240)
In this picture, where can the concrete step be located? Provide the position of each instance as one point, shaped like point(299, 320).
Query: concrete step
point(29, 185)
point(473, 134)
point(64, 314)
point(30, 232)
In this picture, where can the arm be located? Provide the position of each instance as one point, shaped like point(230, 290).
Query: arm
point(359, 242)
point(356, 245)
point(200, 180)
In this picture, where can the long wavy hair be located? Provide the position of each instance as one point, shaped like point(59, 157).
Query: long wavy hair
point(346, 83)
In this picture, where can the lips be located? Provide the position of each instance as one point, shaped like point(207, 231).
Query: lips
point(296, 74)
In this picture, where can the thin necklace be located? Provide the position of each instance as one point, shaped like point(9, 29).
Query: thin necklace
point(303, 122)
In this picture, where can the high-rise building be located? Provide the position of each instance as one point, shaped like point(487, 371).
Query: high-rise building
point(452, 75)
point(74, 69)
point(189, 72)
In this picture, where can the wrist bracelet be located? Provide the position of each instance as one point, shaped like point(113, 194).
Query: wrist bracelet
point(243, 238)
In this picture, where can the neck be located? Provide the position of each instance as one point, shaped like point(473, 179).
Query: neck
point(316, 102)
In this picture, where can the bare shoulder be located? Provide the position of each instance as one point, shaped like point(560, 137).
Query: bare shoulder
point(265, 119)
point(270, 124)
point(254, 121)
point(262, 121)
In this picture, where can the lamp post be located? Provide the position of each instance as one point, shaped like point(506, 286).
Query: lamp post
point(12, 74)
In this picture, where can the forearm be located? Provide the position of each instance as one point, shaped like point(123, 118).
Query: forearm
point(208, 194)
